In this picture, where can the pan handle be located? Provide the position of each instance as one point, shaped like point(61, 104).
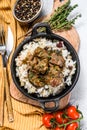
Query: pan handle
point(50, 106)
point(38, 25)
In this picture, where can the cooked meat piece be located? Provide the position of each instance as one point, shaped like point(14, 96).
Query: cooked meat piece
point(47, 80)
point(54, 76)
point(54, 69)
point(57, 59)
point(35, 79)
point(61, 61)
point(34, 62)
point(55, 82)
point(28, 58)
point(41, 53)
point(41, 66)
point(44, 70)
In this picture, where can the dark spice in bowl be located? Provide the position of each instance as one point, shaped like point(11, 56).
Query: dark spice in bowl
point(27, 9)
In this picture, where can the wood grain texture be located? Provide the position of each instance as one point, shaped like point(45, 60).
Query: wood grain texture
point(32, 122)
point(8, 97)
point(5, 4)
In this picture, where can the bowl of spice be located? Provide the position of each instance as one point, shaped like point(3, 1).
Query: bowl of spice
point(26, 11)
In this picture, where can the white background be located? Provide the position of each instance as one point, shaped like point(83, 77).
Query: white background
point(79, 93)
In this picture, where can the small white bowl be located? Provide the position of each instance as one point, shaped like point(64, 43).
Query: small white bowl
point(23, 22)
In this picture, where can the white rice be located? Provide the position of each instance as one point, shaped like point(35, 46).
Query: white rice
point(22, 68)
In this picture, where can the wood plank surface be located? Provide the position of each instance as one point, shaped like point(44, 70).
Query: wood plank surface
point(21, 122)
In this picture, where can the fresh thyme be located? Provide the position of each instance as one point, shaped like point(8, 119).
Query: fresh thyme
point(59, 20)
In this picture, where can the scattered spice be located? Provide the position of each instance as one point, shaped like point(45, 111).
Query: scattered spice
point(26, 9)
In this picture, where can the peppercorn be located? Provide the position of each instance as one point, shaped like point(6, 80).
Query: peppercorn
point(27, 9)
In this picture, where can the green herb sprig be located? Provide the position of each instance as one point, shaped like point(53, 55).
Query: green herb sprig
point(59, 20)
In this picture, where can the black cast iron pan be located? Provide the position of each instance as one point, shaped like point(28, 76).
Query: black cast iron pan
point(48, 34)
